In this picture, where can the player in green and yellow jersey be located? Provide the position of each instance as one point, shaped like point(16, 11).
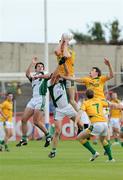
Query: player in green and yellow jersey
point(6, 110)
point(99, 126)
point(116, 116)
point(66, 58)
point(95, 81)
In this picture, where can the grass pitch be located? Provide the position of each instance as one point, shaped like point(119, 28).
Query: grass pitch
point(31, 162)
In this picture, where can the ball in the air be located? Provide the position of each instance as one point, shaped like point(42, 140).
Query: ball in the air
point(67, 36)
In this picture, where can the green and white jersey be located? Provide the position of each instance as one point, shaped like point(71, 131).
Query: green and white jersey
point(58, 94)
point(39, 86)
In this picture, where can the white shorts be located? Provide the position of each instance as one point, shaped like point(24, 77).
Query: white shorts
point(106, 113)
point(115, 123)
point(6, 124)
point(85, 118)
point(68, 111)
point(100, 129)
point(37, 103)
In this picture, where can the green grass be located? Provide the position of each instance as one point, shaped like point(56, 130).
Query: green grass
point(71, 163)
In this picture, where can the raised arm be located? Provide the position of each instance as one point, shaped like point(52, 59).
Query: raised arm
point(107, 63)
point(66, 52)
point(58, 50)
point(79, 80)
point(29, 69)
point(62, 48)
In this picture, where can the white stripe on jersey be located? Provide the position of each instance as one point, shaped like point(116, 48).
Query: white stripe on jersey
point(36, 84)
point(58, 94)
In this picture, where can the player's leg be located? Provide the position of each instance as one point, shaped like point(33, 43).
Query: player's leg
point(121, 136)
point(38, 119)
point(82, 121)
point(105, 143)
point(83, 139)
point(71, 95)
point(8, 135)
point(77, 119)
point(56, 136)
point(1, 133)
point(28, 112)
point(106, 147)
point(116, 131)
point(108, 138)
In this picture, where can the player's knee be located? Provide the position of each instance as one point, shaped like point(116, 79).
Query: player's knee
point(38, 123)
point(57, 132)
point(104, 142)
point(10, 134)
point(80, 136)
point(83, 141)
point(24, 120)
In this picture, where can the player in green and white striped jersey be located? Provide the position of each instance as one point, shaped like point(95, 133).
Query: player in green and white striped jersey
point(35, 106)
point(63, 108)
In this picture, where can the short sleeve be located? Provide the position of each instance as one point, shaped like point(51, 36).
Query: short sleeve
point(104, 78)
point(85, 80)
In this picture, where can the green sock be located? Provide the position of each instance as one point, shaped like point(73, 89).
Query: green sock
point(6, 146)
point(54, 150)
point(89, 147)
point(116, 140)
point(52, 130)
point(24, 137)
point(108, 151)
point(121, 144)
point(2, 142)
point(109, 142)
point(47, 134)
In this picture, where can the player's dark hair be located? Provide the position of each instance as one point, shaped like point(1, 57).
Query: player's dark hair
point(97, 70)
point(38, 64)
point(8, 93)
point(89, 94)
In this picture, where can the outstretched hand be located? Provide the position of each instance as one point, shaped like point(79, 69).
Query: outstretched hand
point(34, 60)
point(55, 77)
point(34, 77)
point(106, 61)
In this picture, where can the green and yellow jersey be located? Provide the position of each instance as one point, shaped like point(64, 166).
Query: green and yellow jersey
point(96, 84)
point(69, 63)
point(7, 109)
point(115, 113)
point(94, 109)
